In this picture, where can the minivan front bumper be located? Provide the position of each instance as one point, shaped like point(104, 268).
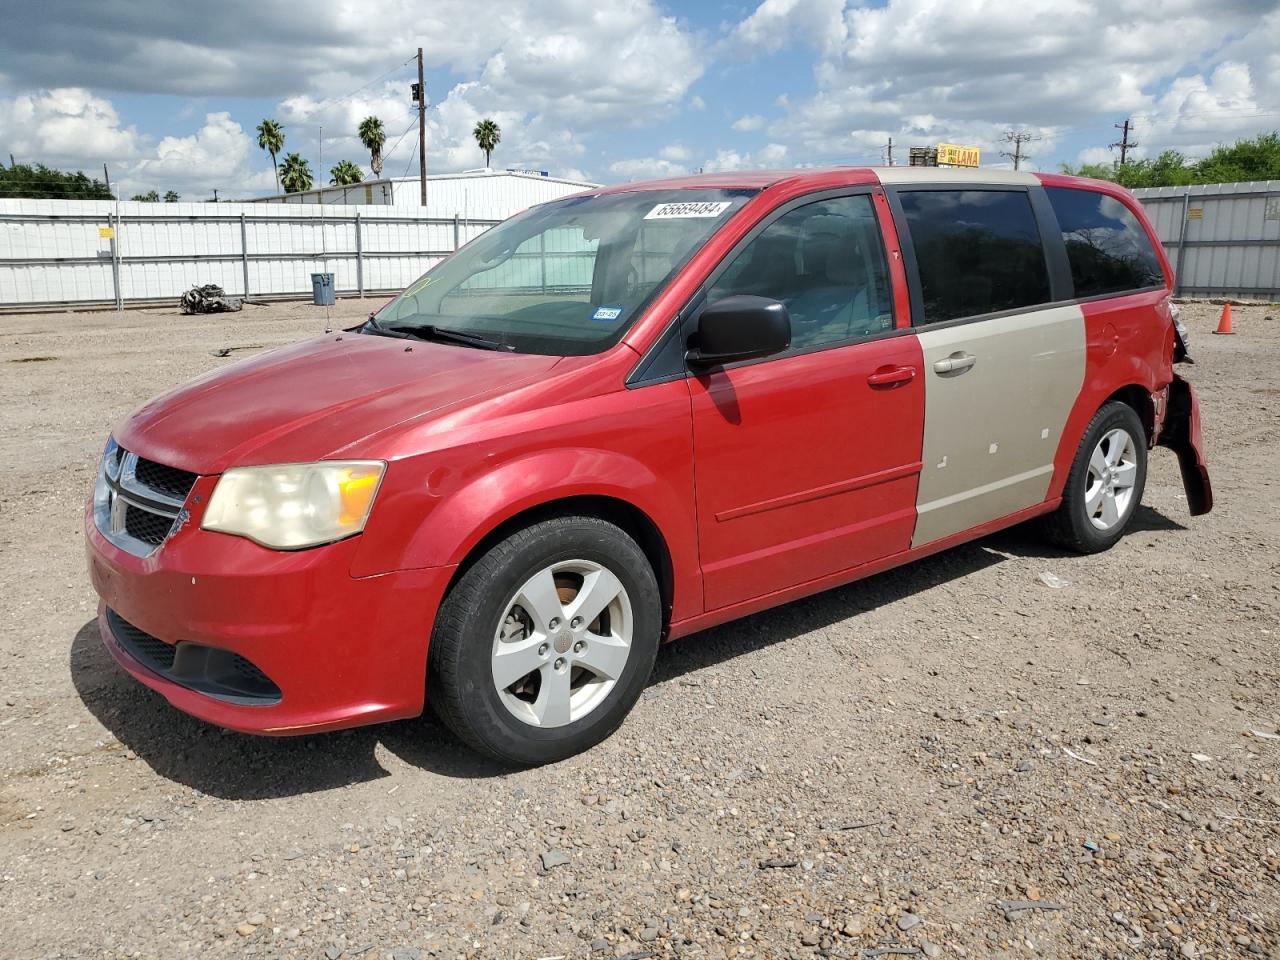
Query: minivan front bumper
point(338, 650)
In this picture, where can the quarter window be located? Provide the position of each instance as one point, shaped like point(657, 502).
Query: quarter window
point(977, 251)
point(1107, 247)
point(826, 262)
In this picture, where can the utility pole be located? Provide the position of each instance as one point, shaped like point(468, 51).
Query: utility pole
point(889, 151)
point(421, 96)
point(105, 176)
point(1017, 138)
point(1124, 143)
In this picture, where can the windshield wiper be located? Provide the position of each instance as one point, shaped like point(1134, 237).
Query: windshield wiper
point(428, 331)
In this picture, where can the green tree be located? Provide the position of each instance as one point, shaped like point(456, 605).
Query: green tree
point(41, 182)
point(1256, 159)
point(488, 135)
point(295, 175)
point(151, 196)
point(374, 138)
point(271, 139)
point(172, 197)
point(345, 172)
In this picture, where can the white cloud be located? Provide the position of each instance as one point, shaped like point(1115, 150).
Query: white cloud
point(66, 126)
point(549, 71)
point(218, 155)
point(775, 23)
point(770, 156)
point(752, 121)
point(676, 152)
point(647, 168)
point(969, 69)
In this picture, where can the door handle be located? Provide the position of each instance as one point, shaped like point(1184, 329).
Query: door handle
point(892, 376)
point(956, 363)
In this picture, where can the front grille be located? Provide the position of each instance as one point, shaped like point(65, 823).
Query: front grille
point(209, 670)
point(168, 480)
point(138, 501)
point(146, 526)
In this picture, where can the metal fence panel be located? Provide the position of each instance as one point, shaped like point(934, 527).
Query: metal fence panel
point(1223, 238)
point(60, 252)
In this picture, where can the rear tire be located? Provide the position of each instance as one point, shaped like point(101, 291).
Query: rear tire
point(544, 645)
point(1105, 485)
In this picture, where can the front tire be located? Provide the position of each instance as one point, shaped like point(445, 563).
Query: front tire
point(1105, 485)
point(544, 645)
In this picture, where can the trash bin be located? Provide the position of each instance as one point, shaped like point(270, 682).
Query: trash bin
point(322, 289)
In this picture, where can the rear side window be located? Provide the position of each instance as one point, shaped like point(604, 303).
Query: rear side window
point(1108, 249)
point(977, 251)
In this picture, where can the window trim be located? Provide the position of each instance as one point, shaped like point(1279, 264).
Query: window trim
point(1153, 242)
point(656, 365)
point(1057, 269)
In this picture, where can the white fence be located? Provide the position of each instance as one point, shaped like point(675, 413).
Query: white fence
point(1223, 239)
point(61, 253)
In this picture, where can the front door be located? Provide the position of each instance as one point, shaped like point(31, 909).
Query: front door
point(806, 463)
point(1002, 366)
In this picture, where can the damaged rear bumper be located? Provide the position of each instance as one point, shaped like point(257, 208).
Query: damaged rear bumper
point(1180, 432)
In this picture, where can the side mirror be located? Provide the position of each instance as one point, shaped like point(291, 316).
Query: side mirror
point(740, 328)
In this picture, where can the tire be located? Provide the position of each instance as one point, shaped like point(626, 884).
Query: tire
point(1086, 522)
point(500, 617)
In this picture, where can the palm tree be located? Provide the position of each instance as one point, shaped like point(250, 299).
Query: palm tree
point(345, 172)
point(172, 197)
point(296, 175)
point(373, 137)
point(271, 139)
point(488, 135)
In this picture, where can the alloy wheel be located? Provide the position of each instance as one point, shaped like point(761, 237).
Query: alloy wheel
point(562, 643)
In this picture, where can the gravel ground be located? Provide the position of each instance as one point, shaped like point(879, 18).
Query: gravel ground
point(950, 759)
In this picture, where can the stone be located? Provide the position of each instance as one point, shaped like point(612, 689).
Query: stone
point(554, 858)
point(930, 949)
point(907, 921)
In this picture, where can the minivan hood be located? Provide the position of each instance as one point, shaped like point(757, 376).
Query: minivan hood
point(308, 400)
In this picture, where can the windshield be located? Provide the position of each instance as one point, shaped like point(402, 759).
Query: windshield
point(567, 277)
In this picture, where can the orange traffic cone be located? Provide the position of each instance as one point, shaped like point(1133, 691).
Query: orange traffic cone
point(1224, 325)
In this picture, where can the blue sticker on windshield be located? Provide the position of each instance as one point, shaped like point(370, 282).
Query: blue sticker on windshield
point(607, 314)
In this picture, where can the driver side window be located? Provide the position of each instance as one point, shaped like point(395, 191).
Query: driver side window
point(826, 262)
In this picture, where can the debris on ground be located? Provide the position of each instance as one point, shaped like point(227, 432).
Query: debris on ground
point(209, 298)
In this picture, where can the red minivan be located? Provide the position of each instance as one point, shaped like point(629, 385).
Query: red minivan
point(628, 415)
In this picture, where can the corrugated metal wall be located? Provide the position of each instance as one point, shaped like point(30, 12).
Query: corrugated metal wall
point(1222, 238)
point(52, 252)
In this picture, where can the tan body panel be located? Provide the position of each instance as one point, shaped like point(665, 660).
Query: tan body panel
point(992, 429)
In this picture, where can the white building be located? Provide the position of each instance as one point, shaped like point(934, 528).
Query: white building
point(472, 195)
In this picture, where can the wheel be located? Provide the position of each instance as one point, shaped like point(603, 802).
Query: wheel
point(545, 644)
point(1106, 482)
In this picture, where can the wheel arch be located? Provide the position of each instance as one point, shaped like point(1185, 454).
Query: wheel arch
point(625, 515)
point(1139, 399)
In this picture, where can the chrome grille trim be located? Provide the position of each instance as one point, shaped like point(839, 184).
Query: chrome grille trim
point(118, 491)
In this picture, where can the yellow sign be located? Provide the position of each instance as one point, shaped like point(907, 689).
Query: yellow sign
point(106, 233)
point(956, 155)
point(1195, 213)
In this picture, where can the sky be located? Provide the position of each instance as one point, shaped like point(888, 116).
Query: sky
point(619, 90)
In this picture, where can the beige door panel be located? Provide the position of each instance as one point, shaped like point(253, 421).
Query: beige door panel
point(997, 396)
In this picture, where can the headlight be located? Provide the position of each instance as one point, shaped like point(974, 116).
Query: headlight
point(294, 505)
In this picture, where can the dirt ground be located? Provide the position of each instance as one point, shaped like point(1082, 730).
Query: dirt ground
point(950, 759)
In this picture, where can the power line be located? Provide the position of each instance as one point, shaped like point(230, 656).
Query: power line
point(1018, 138)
